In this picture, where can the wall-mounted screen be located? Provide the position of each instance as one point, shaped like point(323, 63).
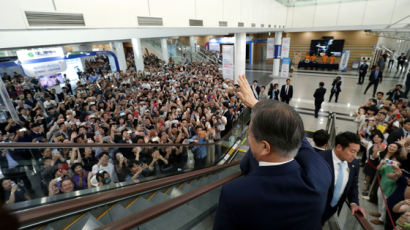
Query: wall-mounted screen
point(328, 47)
point(52, 80)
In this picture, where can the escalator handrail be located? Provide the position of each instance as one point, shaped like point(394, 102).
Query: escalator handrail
point(42, 145)
point(362, 221)
point(156, 210)
point(49, 211)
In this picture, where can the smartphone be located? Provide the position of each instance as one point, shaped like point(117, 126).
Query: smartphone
point(58, 179)
point(398, 116)
point(384, 145)
point(55, 151)
point(391, 162)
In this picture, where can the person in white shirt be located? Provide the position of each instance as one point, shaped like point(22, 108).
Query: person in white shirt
point(49, 103)
point(345, 167)
point(105, 165)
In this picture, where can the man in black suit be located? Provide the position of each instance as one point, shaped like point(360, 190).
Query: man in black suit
point(376, 77)
point(289, 182)
point(400, 62)
point(320, 138)
point(256, 89)
point(345, 172)
point(407, 84)
point(362, 72)
point(319, 96)
point(286, 93)
point(399, 133)
point(336, 88)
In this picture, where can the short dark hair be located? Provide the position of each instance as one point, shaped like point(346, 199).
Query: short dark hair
point(380, 93)
point(407, 120)
point(321, 83)
point(346, 138)
point(320, 137)
point(284, 133)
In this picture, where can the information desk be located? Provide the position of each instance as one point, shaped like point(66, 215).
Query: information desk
point(315, 65)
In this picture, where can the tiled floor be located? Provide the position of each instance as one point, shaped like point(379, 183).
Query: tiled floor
point(351, 97)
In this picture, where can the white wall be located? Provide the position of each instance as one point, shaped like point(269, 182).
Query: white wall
point(123, 13)
point(358, 13)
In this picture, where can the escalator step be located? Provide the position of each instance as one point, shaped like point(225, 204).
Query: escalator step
point(91, 224)
point(139, 205)
point(117, 212)
point(173, 219)
point(159, 197)
point(186, 188)
point(175, 192)
point(81, 223)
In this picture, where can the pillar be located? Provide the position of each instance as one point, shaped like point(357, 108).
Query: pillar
point(164, 49)
point(240, 54)
point(118, 49)
point(192, 43)
point(276, 55)
point(137, 48)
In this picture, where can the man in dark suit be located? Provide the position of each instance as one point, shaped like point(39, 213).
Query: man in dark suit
point(400, 62)
point(345, 172)
point(319, 96)
point(362, 72)
point(399, 133)
point(289, 180)
point(376, 77)
point(336, 88)
point(407, 84)
point(286, 93)
point(320, 139)
point(256, 89)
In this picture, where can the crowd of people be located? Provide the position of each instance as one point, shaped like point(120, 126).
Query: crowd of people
point(164, 104)
point(383, 125)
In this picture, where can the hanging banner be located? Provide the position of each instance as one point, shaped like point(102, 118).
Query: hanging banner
point(227, 61)
point(285, 67)
point(344, 60)
point(270, 48)
point(285, 47)
point(42, 61)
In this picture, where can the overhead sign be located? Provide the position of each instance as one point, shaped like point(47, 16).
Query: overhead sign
point(227, 61)
point(285, 47)
point(270, 49)
point(42, 61)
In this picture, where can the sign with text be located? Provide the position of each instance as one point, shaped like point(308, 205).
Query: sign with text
point(285, 67)
point(42, 61)
point(227, 61)
point(270, 49)
point(285, 47)
point(344, 60)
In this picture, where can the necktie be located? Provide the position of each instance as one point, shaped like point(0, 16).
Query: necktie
point(338, 187)
point(287, 88)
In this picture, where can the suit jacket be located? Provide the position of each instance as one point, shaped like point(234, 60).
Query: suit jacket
point(257, 89)
point(283, 94)
point(350, 192)
point(395, 135)
point(338, 85)
point(364, 68)
point(319, 95)
point(372, 76)
point(288, 196)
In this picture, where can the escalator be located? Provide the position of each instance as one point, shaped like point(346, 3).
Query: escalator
point(182, 217)
point(174, 201)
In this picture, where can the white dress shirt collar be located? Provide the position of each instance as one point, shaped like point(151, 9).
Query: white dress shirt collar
point(264, 163)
